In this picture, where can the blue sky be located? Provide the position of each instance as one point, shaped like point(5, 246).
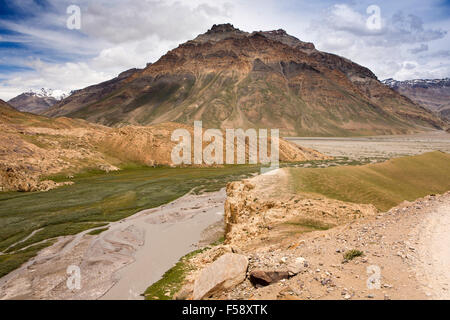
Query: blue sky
point(38, 50)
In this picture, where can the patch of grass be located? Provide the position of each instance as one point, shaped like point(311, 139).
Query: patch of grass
point(352, 254)
point(310, 224)
point(9, 262)
point(172, 280)
point(384, 185)
point(97, 231)
point(218, 241)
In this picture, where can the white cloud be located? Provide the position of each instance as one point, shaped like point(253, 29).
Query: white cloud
point(65, 77)
point(387, 51)
point(116, 35)
point(127, 20)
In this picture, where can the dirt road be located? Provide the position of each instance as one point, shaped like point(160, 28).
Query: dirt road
point(433, 261)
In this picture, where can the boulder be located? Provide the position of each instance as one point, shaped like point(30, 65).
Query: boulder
point(224, 273)
point(260, 278)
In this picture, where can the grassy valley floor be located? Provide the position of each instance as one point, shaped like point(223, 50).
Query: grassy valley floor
point(383, 184)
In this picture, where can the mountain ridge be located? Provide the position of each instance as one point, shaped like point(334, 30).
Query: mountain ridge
point(229, 78)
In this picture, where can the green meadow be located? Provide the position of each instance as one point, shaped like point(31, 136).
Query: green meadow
point(384, 185)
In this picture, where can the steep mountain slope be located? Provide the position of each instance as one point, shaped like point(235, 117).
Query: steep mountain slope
point(433, 94)
point(89, 95)
point(4, 106)
point(230, 78)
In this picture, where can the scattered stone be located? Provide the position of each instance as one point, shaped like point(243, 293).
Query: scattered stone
point(299, 265)
point(263, 278)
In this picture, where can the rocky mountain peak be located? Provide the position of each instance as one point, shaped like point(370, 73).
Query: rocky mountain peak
point(220, 32)
point(282, 36)
point(37, 101)
point(433, 94)
point(221, 28)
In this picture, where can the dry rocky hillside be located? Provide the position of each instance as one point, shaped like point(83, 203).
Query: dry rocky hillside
point(278, 246)
point(229, 78)
point(33, 146)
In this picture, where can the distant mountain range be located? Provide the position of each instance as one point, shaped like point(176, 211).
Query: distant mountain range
point(37, 101)
point(234, 79)
point(433, 94)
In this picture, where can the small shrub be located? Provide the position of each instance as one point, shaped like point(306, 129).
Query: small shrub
point(352, 254)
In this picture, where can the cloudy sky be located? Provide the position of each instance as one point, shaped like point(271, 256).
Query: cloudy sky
point(37, 49)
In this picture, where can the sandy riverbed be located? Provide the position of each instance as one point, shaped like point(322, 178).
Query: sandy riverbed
point(122, 262)
point(378, 146)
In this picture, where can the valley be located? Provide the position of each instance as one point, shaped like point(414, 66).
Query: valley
point(140, 236)
point(92, 181)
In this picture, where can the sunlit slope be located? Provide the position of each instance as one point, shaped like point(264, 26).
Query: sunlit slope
point(384, 185)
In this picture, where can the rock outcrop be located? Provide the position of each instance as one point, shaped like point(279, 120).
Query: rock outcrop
point(22, 180)
point(264, 223)
point(254, 206)
point(264, 278)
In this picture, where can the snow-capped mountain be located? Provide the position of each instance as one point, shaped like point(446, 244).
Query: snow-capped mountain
point(421, 83)
point(50, 93)
point(433, 94)
point(37, 101)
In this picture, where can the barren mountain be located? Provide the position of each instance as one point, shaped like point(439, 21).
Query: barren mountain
point(89, 95)
point(33, 146)
point(433, 94)
point(231, 78)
